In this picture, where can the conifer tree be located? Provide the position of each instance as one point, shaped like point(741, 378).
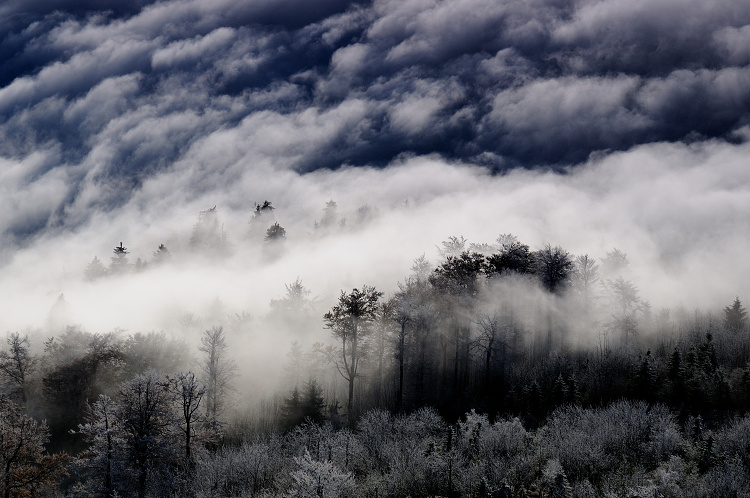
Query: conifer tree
point(161, 255)
point(119, 262)
point(94, 270)
point(735, 316)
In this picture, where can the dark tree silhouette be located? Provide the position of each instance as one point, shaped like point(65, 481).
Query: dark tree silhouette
point(735, 316)
point(119, 262)
point(161, 254)
point(188, 394)
point(148, 423)
point(514, 258)
point(348, 321)
point(275, 233)
point(554, 267)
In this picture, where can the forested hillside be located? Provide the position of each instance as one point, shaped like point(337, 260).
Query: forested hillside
point(498, 370)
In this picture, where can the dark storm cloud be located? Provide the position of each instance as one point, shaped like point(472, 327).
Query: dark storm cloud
point(113, 94)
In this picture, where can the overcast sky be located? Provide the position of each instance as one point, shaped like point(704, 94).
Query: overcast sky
point(590, 124)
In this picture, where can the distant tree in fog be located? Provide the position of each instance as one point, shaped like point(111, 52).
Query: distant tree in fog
point(349, 322)
point(218, 370)
point(161, 254)
point(735, 316)
point(296, 302)
point(454, 246)
point(421, 269)
point(614, 263)
point(330, 216)
point(625, 304)
point(262, 210)
point(94, 270)
point(119, 262)
point(208, 233)
point(585, 278)
point(139, 265)
point(275, 233)
point(365, 214)
point(483, 248)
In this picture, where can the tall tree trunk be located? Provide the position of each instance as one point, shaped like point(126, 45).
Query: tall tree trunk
point(401, 352)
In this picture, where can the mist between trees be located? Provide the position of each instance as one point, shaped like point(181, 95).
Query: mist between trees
point(497, 370)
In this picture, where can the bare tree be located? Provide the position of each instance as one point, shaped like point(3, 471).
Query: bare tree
point(492, 336)
point(188, 394)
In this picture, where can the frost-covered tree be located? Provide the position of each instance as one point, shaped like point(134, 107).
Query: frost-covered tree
point(320, 479)
point(25, 468)
point(16, 363)
point(103, 460)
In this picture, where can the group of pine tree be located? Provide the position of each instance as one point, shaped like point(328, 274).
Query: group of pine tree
point(209, 238)
point(499, 371)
